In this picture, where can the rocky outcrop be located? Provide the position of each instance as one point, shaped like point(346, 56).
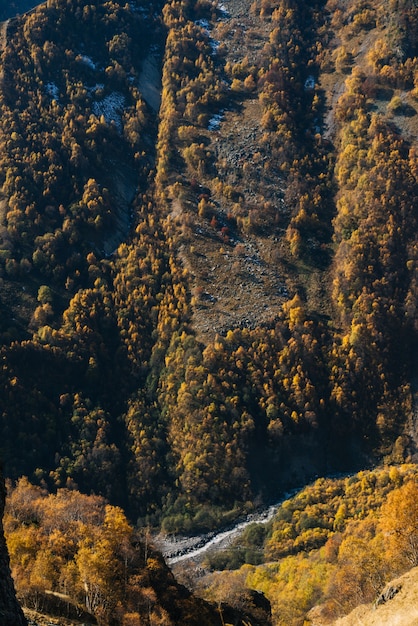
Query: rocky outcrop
point(388, 594)
point(10, 612)
point(398, 605)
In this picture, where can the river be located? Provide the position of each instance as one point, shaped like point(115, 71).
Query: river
point(178, 549)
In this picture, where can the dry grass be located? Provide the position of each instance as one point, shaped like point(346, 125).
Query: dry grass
point(402, 610)
point(40, 619)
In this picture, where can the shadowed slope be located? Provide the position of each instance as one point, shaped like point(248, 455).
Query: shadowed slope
point(10, 612)
point(11, 9)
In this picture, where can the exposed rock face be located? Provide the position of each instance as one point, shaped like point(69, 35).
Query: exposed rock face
point(400, 606)
point(387, 594)
point(10, 611)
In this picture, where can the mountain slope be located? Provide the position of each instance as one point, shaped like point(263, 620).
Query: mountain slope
point(399, 609)
point(10, 612)
point(74, 555)
point(208, 250)
point(206, 306)
point(13, 8)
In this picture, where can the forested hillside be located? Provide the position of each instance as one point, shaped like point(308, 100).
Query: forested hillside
point(109, 381)
point(77, 557)
point(208, 249)
point(336, 544)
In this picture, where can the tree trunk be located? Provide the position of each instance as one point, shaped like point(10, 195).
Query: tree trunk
point(10, 612)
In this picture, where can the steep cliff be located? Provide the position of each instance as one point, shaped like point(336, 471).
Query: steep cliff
point(10, 611)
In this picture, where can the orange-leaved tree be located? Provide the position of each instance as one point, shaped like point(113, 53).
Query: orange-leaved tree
point(399, 521)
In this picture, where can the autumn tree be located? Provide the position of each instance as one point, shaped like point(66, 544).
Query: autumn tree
point(399, 523)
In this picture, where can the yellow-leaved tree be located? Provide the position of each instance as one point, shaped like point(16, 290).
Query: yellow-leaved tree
point(399, 521)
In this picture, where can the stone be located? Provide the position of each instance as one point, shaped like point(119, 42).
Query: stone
point(387, 594)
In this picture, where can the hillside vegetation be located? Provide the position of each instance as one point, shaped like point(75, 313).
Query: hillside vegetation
point(208, 250)
point(400, 610)
point(75, 556)
point(110, 379)
point(333, 546)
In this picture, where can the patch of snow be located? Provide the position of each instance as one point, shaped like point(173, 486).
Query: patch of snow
point(215, 121)
point(88, 61)
point(111, 107)
point(214, 45)
point(309, 83)
point(222, 9)
point(203, 24)
point(52, 91)
point(97, 87)
point(136, 9)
